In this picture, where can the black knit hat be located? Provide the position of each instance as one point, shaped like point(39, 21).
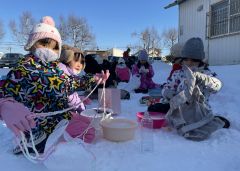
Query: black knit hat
point(193, 49)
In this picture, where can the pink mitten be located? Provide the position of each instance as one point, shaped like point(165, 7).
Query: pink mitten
point(16, 116)
point(142, 69)
point(76, 127)
point(103, 75)
point(146, 70)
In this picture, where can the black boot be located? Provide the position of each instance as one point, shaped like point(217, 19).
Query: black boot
point(226, 122)
point(39, 138)
point(141, 90)
point(159, 107)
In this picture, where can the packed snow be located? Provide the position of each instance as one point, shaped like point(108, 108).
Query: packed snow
point(171, 152)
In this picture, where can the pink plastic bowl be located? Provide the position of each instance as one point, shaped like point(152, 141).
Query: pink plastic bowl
point(158, 119)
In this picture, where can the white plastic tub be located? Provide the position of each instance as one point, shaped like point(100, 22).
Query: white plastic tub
point(95, 115)
point(118, 129)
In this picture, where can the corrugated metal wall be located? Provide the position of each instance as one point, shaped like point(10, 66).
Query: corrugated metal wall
point(192, 23)
point(225, 50)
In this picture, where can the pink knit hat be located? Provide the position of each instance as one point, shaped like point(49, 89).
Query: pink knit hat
point(45, 29)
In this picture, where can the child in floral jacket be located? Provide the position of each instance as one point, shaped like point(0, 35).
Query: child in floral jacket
point(192, 56)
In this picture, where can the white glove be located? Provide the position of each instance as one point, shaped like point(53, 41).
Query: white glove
point(142, 70)
point(177, 100)
point(146, 70)
point(168, 94)
point(190, 79)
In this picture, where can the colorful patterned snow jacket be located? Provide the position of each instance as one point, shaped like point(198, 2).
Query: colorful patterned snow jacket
point(42, 87)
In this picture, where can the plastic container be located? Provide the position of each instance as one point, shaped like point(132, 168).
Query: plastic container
point(146, 133)
point(118, 129)
point(96, 114)
point(158, 118)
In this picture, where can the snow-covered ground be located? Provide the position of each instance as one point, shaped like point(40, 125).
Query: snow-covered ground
point(220, 152)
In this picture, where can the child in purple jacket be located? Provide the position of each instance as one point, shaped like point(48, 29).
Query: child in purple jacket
point(72, 63)
point(144, 70)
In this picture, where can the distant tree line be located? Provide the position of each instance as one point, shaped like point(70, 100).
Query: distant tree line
point(76, 31)
point(153, 41)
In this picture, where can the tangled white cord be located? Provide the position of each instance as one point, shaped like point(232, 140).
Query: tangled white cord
point(94, 117)
point(36, 157)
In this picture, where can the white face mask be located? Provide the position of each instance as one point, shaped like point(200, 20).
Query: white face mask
point(45, 54)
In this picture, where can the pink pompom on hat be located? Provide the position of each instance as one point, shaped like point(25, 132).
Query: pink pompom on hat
point(45, 29)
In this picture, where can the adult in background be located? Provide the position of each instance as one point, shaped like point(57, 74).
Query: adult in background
point(126, 54)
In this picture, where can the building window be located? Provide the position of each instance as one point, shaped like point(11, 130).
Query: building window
point(225, 18)
point(235, 15)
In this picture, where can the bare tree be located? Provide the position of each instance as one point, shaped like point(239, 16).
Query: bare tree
point(134, 48)
point(170, 37)
point(151, 41)
point(2, 33)
point(62, 28)
point(93, 45)
point(24, 27)
point(76, 31)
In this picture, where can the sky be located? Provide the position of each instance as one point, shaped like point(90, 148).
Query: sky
point(112, 22)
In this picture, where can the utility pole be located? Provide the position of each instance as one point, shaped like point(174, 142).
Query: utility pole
point(10, 49)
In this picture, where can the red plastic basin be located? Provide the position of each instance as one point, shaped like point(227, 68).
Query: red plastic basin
point(159, 120)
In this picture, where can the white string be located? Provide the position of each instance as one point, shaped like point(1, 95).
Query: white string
point(37, 158)
point(94, 117)
point(104, 101)
point(24, 148)
point(103, 97)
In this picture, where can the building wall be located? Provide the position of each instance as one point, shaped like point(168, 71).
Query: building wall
point(193, 23)
point(225, 50)
point(116, 52)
